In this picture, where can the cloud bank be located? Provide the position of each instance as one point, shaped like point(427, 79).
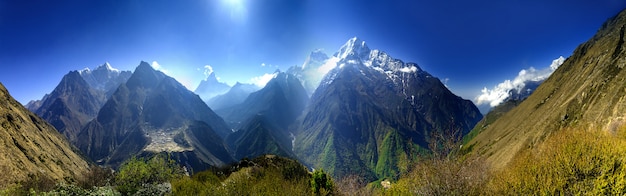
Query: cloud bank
point(260, 81)
point(207, 71)
point(500, 92)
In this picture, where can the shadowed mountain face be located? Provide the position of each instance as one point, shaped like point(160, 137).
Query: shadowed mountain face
point(32, 146)
point(259, 136)
point(586, 91)
point(71, 105)
point(282, 100)
point(262, 120)
point(152, 112)
point(372, 114)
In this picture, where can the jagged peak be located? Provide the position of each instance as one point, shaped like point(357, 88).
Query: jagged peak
point(144, 66)
point(107, 66)
point(211, 77)
point(354, 46)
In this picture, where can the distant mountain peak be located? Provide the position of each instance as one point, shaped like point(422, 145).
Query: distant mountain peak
point(212, 75)
point(211, 87)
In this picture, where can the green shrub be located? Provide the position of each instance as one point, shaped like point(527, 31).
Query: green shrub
point(321, 182)
point(137, 173)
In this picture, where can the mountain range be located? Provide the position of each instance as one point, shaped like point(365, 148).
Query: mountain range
point(359, 111)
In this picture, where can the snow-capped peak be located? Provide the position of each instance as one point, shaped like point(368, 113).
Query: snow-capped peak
point(107, 66)
point(354, 46)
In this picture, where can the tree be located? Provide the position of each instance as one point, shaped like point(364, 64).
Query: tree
point(321, 182)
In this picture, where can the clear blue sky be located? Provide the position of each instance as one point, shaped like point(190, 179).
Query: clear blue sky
point(474, 44)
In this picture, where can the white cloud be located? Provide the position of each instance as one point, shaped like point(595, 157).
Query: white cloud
point(262, 64)
point(207, 70)
point(157, 66)
point(328, 65)
point(445, 81)
point(260, 81)
point(500, 92)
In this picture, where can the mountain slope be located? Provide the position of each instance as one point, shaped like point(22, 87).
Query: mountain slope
point(71, 105)
point(152, 112)
point(372, 114)
point(258, 137)
point(262, 120)
point(586, 91)
point(32, 146)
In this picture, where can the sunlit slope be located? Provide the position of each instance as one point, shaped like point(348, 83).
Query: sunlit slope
point(30, 146)
point(588, 90)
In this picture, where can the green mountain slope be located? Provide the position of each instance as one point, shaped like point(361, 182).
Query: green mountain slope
point(373, 114)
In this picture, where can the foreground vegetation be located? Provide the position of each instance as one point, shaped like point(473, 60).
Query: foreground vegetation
point(160, 175)
point(568, 162)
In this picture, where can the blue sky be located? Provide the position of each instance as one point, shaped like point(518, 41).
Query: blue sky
point(469, 44)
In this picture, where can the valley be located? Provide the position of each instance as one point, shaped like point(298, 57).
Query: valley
point(359, 121)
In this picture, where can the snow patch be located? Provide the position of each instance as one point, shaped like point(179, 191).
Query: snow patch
point(408, 69)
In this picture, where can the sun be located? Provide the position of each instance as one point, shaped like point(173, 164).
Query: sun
point(237, 9)
point(233, 3)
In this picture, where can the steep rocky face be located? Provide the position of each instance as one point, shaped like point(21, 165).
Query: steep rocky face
point(586, 91)
point(71, 105)
point(236, 95)
point(372, 114)
point(29, 145)
point(211, 87)
point(152, 112)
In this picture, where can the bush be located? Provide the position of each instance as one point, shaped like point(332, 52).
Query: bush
point(37, 183)
point(138, 173)
point(265, 175)
point(96, 176)
point(443, 177)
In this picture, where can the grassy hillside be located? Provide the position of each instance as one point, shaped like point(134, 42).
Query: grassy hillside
point(586, 91)
point(569, 162)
